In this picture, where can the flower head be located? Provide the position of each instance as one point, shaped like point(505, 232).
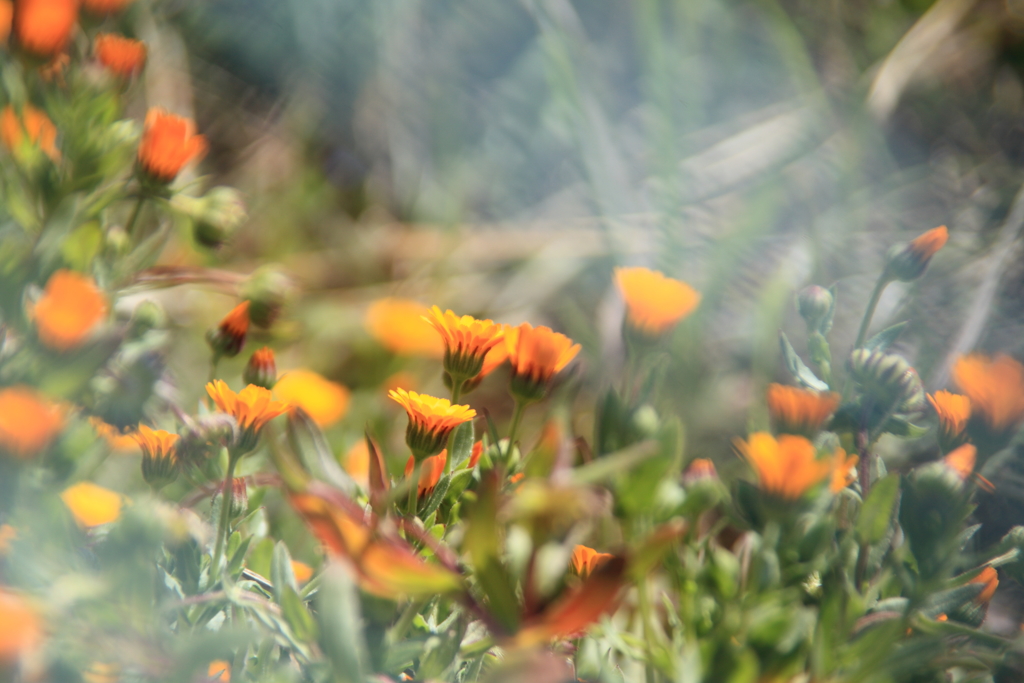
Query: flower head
point(168, 143)
point(32, 128)
point(799, 411)
point(962, 460)
point(536, 355)
point(159, 455)
point(28, 422)
point(115, 438)
point(20, 627)
point(228, 338)
point(995, 387)
point(843, 473)
point(907, 262)
point(399, 325)
point(654, 303)
point(786, 467)
point(302, 571)
point(6, 15)
point(357, 463)
point(92, 505)
point(431, 421)
point(954, 410)
point(124, 57)
point(69, 310)
point(430, 471)
point(43, 27)
point(325, 401)
point(261, 369)
point(252, 408)
point(585, 560)
point(105, 6)
point(466, 341)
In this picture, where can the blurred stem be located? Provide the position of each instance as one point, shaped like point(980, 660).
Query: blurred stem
point(225, 513)
point(517, 417)
point(129, 227)
point(644, 598)
point(869, 313)
point(864, 472)
point(401, 627)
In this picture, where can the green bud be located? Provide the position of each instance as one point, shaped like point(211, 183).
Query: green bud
point(267, 291)
point(888, 379)
point(815, 306)
point(148, 315)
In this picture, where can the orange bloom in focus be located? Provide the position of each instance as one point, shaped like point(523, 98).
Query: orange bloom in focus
point(6, 15)
point(105, 6)
point(842, 476)
point(786, 467)
point(536, 355)
point(654, 303)
point(399, 326)
point(990, 578)
point(430, 471)
point(92, 505)
point(115, 438)
point(252, 408)
point(585, 560)
point(431, 420)
point(123, 56)
point(168, 143)
point(33, 125)
point(800, 411)
point(20, 627)
point(324, 401)
point(995, 387)
point(953, 410)
point(466, 341)
point(43, 27)
point(69, 310)
point(219, 670)
point(28, 422)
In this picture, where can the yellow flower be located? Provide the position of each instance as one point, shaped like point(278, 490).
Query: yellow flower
point(92, 505)
point(399, 326)
point(115, 438)
point(69, 310)
point(168, 143)
point(536, 354)
point(799, 411)
point(325, 401)
point(585, 560)
point(786, 467)
point(219, 670)
point(994, 386)
point(122, 56)
point(43, 27)
point(159, 456)
point(431, 420)
point(466, 341)
point(20, 627)
point(654, 303)
point(954, 411)
point(28, 422)
point(843, 473)
point(33, 127)
point(252, 408)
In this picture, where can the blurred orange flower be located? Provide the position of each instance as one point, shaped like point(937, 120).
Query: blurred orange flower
point(219, 670)
point(252, 407)
point(799, 411)
point(654, 303)
point(399, 326)
point(786, 467)
point(325, 401)
point(927, 244)
point(302, 571)
point(92, 505)
point(962, 460)
point(995, 387)
point(908, 263)
point(33, 125)
point(261, 369)
point(115, 438)
point(585, 560)
point(536, 355)
point(70, 308)
point(228, 338)
point(431, 420)
point(43, 27)
point(169, 142)
point(28, 422)
point(466, 341)
point(123, 56)
point(105, 6)
point(842, 470)
point(6, 14)
point(990, 577)
point(357, 463)
point(159, 455)
point(954, 411)
point(21, 629)
point(430, 471)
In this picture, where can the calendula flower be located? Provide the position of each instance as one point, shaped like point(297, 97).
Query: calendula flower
point(124, 57)
point(430, 471)
point(466, 342)
point(92, 505)
point(995, 387)
point(43, 27)
point(990, 578)
point(536, 354)
point(21, 629)
point(6, 15)
point(159, 455)
point(700, 468)
point(302, 571)
point(252, 408)
point(787, 467)
point(654, 303)
point(69, 310)
point(474, 456)
point(399, 326)
point(961, 460)
point(228, 338)
point(799, 411)
point(357, 463)
point(585, 560)
point(105, 6)
point(28, 422)
point(843, 472)
point(115, 438)
point(907, 262)
point(219, 670)
point(169, 142)
point(32, 128)
point(954, 411)
point(431, 421)
point(324, 401)
point(261, 369)
point(492, 361)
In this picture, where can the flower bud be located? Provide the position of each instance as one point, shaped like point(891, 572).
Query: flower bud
point(261, 369)
point(267, 290)
point(220, 213)
point(906, 262)
point(204, 438)
point(239, 500)
point(228, 337)
point(815, 306)
point(888, 379)
point(148, 315)
point(159, 455)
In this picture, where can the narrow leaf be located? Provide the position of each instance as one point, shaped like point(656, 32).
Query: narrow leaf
point(876, 513)
point(797, 368)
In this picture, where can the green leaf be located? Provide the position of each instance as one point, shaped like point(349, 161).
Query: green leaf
point(296, 614)
point(281, 574)
point(800, 372)
point(611, 466)
point(82, 245)
point(337, 609)
point(877, 511)
point(884, 339)
point(461, 444)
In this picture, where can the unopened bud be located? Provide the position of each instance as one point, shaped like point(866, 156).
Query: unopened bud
point(267, 291)
point(239, 493)
point(228, 337)
point(117, 242)
point(217, 216)
point(888, 379)
point(204, 438)
point(815, 306)
point(148, 315)
point(906, 262)
point(261, 369)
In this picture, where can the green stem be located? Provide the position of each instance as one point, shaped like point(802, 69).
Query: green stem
point(401, 627)
point(414, 490)
point(517, 417)
point(457, 383)
point(862, 333)
point(225, 514)
point(134, 217)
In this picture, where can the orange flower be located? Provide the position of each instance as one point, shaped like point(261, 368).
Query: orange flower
point(228, 338)
point(28, 422)
point(92, 505)
point(430, 471)
point(324, 401)
point(799, 411)
point(261, 369)
point(159, 456)
point(168, 143)
point(33, 128)
point(786, 467)
point(69, 310)
point(654, 303)
point(994, 386)
point(20, 627)
point(494, 358)
point(252, 408)
point(6, 14)
point(954, 411)
point(700, 468)
point(115, 438)
point(474, 456)
point(842, 476)
point(962, 460)
point(990, 578)
point(907, 263)
point(431, 420)
point(123, 56)
point(219, 670)
point(928, 244)
point(399, 326)
point(585, 560)
point(105, 6)
point(357, 463)
point(43, 27)
point(302, 571)
point(466, 341)
point(536, 355)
